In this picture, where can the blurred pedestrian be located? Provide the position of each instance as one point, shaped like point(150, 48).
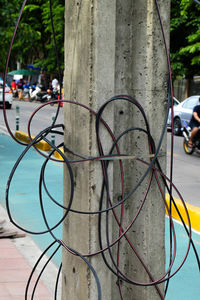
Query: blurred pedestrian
point(14, 88)
point(20, 89)
point(26, 90)
point(55, 84)
point(13, 85)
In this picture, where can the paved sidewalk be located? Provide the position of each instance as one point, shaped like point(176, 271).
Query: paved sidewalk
point(17, 258)
point(14, 274)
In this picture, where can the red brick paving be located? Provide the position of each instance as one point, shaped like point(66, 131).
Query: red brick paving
point(14, 274)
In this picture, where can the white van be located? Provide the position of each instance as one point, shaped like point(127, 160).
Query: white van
point(8, 95)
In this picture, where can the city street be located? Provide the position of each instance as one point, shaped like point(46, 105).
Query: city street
point(24, 193)
point(185, 167)
point(40, 121)
point(115, 215)
point(185, 171)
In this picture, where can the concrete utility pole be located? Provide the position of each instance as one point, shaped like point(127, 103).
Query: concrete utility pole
point(113, 47)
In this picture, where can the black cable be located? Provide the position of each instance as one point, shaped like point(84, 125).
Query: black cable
point(57, 281)
point(89, 265)
point(34, 268)
point(33, 142)
point(107, 230)
point(105, 202)
point(43, 269)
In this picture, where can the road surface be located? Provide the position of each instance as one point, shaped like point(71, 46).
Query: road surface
point(40, 121)
point(185, 167)
point(185, 171)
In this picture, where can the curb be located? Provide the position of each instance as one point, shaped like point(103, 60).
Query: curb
point(194, 213)
point(57, 155)
point(42, 145)
point(24, 137)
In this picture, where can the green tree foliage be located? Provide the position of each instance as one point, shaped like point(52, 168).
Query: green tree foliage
point(8, 19)
point(34, 40)
point(34, 43)
point(185, 38)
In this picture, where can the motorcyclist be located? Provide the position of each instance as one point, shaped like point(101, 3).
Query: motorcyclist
point(194, 124)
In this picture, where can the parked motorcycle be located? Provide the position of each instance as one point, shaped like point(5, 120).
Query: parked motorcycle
point(39, 94)
point(53, 94)
point(196, 143)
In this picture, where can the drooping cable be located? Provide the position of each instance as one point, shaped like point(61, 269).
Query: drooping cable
point(107, 211)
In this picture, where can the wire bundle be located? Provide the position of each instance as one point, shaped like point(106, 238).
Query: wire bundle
point(107, 208)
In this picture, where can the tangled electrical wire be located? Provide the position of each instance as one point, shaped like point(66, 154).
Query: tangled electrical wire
point(106, 205)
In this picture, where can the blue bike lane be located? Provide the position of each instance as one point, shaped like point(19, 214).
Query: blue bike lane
point(26, 211)
point(24, 191)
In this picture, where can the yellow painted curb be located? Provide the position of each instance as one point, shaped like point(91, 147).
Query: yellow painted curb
point(57, 155)
point(194, 213)
point(22, 136)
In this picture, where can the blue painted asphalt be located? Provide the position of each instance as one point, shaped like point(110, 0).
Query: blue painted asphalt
point(185, 285)
point(24, 191)
point(25, 207)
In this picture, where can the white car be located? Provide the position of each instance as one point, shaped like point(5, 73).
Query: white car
point(183, 113)
point(8, 95)
point(169, 121)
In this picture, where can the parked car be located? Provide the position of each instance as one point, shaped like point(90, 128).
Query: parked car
point(175, 103)
point(182, 113)
point(8, 95)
